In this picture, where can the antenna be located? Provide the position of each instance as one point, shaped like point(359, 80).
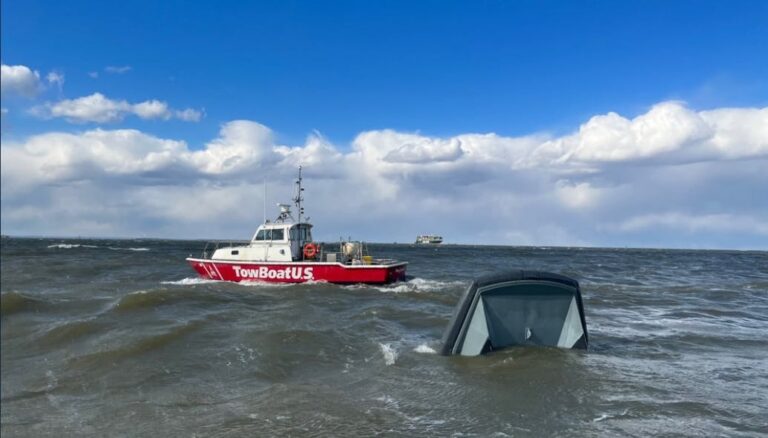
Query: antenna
point(299, 196)
point(265, 201)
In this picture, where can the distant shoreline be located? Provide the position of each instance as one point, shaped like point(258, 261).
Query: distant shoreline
point(415, 245)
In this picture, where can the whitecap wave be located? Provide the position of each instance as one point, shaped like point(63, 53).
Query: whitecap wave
point(425, 349)
point(606, 416)
point(190, 281)
point(417, 285)
point(390, 354)
point(389, 401)
point(601, 418)
point(128, 249)
point(71, 245)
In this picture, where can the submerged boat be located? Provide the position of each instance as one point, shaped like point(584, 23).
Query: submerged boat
point(429, 239)
point(517, 307)
point(283, 251)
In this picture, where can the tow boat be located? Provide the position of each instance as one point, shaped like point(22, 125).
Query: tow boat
point(283, 251)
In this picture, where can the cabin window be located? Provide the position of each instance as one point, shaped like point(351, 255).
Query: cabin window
point(235, 252)
point(305, 235)
point(274, 234)
point(294, 234)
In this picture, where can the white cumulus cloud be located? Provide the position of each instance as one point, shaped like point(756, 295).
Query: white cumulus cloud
point(673, 174)
point(19, 80)
point(241, 145)
point(93, 108)
point(97, 108)
point(669, 132)
point(152, 109)
point(426, 150)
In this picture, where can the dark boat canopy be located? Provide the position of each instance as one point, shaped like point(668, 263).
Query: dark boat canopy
point(517, 308)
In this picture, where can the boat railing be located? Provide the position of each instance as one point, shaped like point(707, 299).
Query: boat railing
point(324, 254)
point(385, 261)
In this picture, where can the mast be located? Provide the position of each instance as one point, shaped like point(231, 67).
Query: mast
point(299, 197)
point(265, 201)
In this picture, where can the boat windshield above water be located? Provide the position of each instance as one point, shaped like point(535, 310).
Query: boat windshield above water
point(283, 251)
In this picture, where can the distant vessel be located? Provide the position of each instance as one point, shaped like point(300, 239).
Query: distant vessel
point(283, 252)
point(429, 239)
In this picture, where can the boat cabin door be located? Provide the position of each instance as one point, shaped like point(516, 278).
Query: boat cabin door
point(300, 235)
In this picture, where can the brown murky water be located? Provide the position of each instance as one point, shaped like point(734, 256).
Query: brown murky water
point(104, 338)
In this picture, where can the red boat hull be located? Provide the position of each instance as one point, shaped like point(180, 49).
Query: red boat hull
point(297, 272)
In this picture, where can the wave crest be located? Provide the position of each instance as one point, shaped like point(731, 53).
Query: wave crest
point(71, 331)
point(142, 346)
point(144, 299)
point(14, 302)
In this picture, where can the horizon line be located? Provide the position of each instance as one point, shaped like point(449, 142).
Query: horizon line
point(4, 236)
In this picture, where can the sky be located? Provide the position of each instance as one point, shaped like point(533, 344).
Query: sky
point(594, 123)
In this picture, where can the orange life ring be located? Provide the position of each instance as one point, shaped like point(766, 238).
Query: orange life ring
point(310, 250)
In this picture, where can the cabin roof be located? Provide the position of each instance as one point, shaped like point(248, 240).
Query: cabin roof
point(283, 225)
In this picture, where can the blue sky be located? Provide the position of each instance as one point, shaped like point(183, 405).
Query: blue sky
point(441, 68)
point(334, 71)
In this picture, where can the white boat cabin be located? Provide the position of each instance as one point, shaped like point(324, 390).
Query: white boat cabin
point(272, 242)
point(279, 241)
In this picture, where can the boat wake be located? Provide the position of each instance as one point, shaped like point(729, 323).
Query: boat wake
point(416, 285)
point(257, 283)
point(190, 281)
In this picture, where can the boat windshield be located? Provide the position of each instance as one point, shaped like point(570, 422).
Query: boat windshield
point(272, 234)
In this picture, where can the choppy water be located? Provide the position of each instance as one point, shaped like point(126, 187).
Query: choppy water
point(119, 338)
